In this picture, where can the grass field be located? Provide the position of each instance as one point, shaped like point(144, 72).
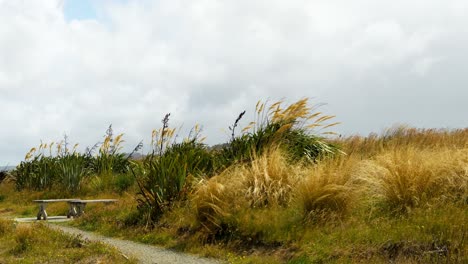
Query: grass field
point(36, 243)
point(397, 197)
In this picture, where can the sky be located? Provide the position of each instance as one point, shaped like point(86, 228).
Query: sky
point(75, 66)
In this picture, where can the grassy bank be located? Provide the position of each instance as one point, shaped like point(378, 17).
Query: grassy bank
point(36, 243)
point(279, 193)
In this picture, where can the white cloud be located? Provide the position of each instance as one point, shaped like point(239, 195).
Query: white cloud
point(374, 63)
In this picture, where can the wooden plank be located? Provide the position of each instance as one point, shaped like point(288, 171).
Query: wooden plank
point(98, 201)
point(55, 200)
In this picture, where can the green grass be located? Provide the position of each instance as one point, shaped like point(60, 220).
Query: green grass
point(36, 243)
point(281, 193)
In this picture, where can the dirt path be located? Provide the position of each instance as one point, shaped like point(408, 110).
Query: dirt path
point(144, 253)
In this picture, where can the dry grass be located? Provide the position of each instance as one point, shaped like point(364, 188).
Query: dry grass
point(36, 243)
point(212, 203)
point(408, 177)
point(5, 226)
point(398, 137)
point(273, 209)
point(328, 189)
point(267, 181)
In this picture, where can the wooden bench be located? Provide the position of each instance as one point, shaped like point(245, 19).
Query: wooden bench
point(43, 205)
point(76, 206)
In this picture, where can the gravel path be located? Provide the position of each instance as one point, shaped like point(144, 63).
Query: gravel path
point(144, 253)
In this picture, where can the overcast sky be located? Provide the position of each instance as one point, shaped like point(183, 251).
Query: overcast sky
point(76, 66)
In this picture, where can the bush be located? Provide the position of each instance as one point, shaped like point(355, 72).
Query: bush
point(327, 190)
point(291, 128)
point(24, 238)
point(5, 226)
point(408, 177)
point(3, 175)
point(162, 176)
point(162, 179)
point(39, 173)
point(109, 160)
point(265, 182)
point(123, 182)
point(72, 169)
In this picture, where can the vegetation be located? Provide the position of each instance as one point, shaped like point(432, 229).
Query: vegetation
point(55, 165)
point(3, 175)
point(36, 243)
point(279, 192)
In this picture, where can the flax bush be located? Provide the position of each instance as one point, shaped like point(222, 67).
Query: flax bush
point(162, 177)
point(297, 128)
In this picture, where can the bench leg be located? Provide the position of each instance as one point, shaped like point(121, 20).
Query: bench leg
point(72, 210)
point(81, 207)
point(42, 211)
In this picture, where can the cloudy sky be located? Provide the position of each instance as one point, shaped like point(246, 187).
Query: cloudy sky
point(76, 66)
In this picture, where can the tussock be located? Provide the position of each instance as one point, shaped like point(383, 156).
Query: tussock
point(407, 177)
point(328, 189)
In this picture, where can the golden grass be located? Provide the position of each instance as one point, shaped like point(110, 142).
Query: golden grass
point(298, 114)
point(37, 243)
point(5, 226)
point(271, 205)
point(405, 178)
point(402, 137)
point(328, 189)
point(267, 181)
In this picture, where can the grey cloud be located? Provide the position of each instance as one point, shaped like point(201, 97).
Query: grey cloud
point(372, 63)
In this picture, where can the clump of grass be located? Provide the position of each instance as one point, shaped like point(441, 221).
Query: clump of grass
point(109, 158)
point(265, 182)
point(24, 238)
point(3, 175)
point(43, 169)
point(407, 178)
point(163, 177)
point(123, 182)
point(327, 190)
point(297, 128)
point(5, 226)
point(400, 136)
point(72, 169)
point(269, 179)
point(212, 204)
point(37, 243)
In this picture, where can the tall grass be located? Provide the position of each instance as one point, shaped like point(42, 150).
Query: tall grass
point(41, 170)
point(162, 177)
point(37, 172)
point(328, 190)
point(56, 165)
point(3, 175)
point(71, 170)
point(400, 136)
point(405, 178)
point(298, 128)
point(109, 158)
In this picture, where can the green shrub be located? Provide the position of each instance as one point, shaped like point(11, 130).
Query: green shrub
point(24, 238)
point(6, 226)
point(3, 175)
point(72, 170)
point(292, 128)
point(38, 173)
point(162, 176)
point(162, 181)
point(109, 160)
point(123, 182)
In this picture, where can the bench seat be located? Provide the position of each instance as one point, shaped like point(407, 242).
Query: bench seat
point(76, 206)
